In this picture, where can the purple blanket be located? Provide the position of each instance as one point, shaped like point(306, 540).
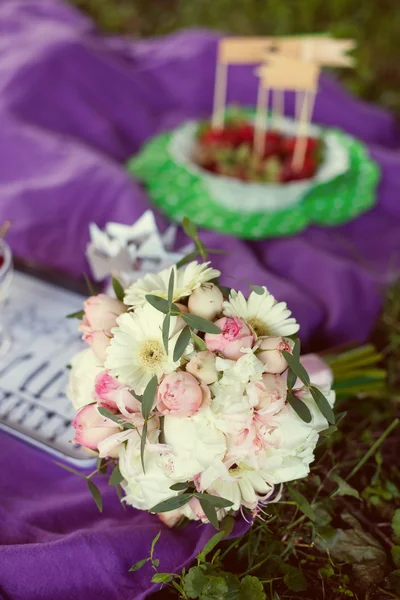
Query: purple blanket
point(73, 106)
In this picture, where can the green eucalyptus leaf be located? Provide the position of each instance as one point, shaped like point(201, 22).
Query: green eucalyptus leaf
point(291, 378)
point(94, 490)
point(344, 489)
point(160, 304)
point(258, 289)
point(89, 285)
point(179, 487)
point(139, 564)
point(171, 284)
point(323, 404)
point(116, 477)
point(296, 366)
point(302, 503)
point(299, 407)
point(189, 228)
point(108, 414)
point(165, 331)
point(70, 469)
point(199, 344)
point(210, 512)
point(148, 397)
point(182, 343)
point(118, 289)
point(143, 440)
point(153, 543)
point(210, 545)
point(196, 322)
point(171, 503)
point(186, 259)
point(79, 314)
point(216, 501)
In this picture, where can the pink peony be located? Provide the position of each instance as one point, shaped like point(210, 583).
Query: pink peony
point(271, 353)
point(267, 396)
point(101, 313)
point(235, 335)
point(91, 428)
point(202, 366)
point(181, 395)
point(111, 394)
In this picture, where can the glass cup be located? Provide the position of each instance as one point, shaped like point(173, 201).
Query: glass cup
point(6, 273)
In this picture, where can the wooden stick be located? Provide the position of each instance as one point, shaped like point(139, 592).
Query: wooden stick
point(221, 80)
point(278, 103)
point(298, 103)
point(4, 229)
point(260, 125)
point(301, 139)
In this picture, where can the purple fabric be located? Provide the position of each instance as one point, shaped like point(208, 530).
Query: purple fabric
point(73, 106)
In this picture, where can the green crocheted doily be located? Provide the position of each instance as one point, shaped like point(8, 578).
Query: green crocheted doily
point(178, 191)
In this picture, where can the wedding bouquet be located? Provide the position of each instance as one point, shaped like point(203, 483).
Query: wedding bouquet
point(196, 394)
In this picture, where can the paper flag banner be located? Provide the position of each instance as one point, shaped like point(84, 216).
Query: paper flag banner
point(321, 50)
point(284, 73)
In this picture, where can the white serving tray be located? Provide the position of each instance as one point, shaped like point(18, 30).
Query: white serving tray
point(34, 374)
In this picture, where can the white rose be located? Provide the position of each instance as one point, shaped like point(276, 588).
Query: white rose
point(206, 301)
point(84, 369)
point(246, 368)
point(195, 444)
point(144, 490)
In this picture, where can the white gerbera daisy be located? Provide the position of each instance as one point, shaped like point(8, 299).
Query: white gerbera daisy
point(187, 279)
point(136, 352)
point(265, 315)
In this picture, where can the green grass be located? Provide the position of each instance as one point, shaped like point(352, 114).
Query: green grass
point(373, 24)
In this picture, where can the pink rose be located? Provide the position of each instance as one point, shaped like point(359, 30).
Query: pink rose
point(235, 335)
point(271, 352)
point(202, 366)
point(91, 428)
point(113, 395)
point(180, 394)
point(101, 313)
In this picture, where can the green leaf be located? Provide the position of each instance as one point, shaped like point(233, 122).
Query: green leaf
point(162, 578)
point(291, 379)
point(194, 582)
point(210, 512)
point(143, 440)
point(199, 344)
point(165, 331)
point(118, 289)
point(344, 488)
point(251, 587)
point(118, 489)
point(116, 477)
point(295, 580)
point(299, 407)
point(70, 469)
point(216, 501)
point(210, 545)
point(186, 259)
point(258, 289)
point(326, 571)
point(153, 543)
point(171, 503)
point(296, 349)
point(79, 314)
point(226, 525)
point(396, 524)
point(171, 283)
point(296, 366)
point(199, 323)
point(158, 303)
point(108, 414)
point(148, 397)
point(179, 487)
point(189, 228)
point(89, 285)
point(182, 343)
point(94, 490)
point(139, 564)
point(323, 405)
point(202, 250)
point(395, 550)
point(329, 431)
point(302, 503)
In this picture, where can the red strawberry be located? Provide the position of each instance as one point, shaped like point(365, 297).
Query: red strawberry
point(1, 261)
point(288, 145)
point(272, 143)
point(306, 172)
point(244, 134)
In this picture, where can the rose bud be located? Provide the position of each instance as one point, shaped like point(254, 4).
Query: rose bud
point(235, 335)
point(202, 366)
point(181, 395)
point(271, 352)
point(91, 427)
point(206, 301)
point(111, 394)
point(269, 394)
point(101, 313)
